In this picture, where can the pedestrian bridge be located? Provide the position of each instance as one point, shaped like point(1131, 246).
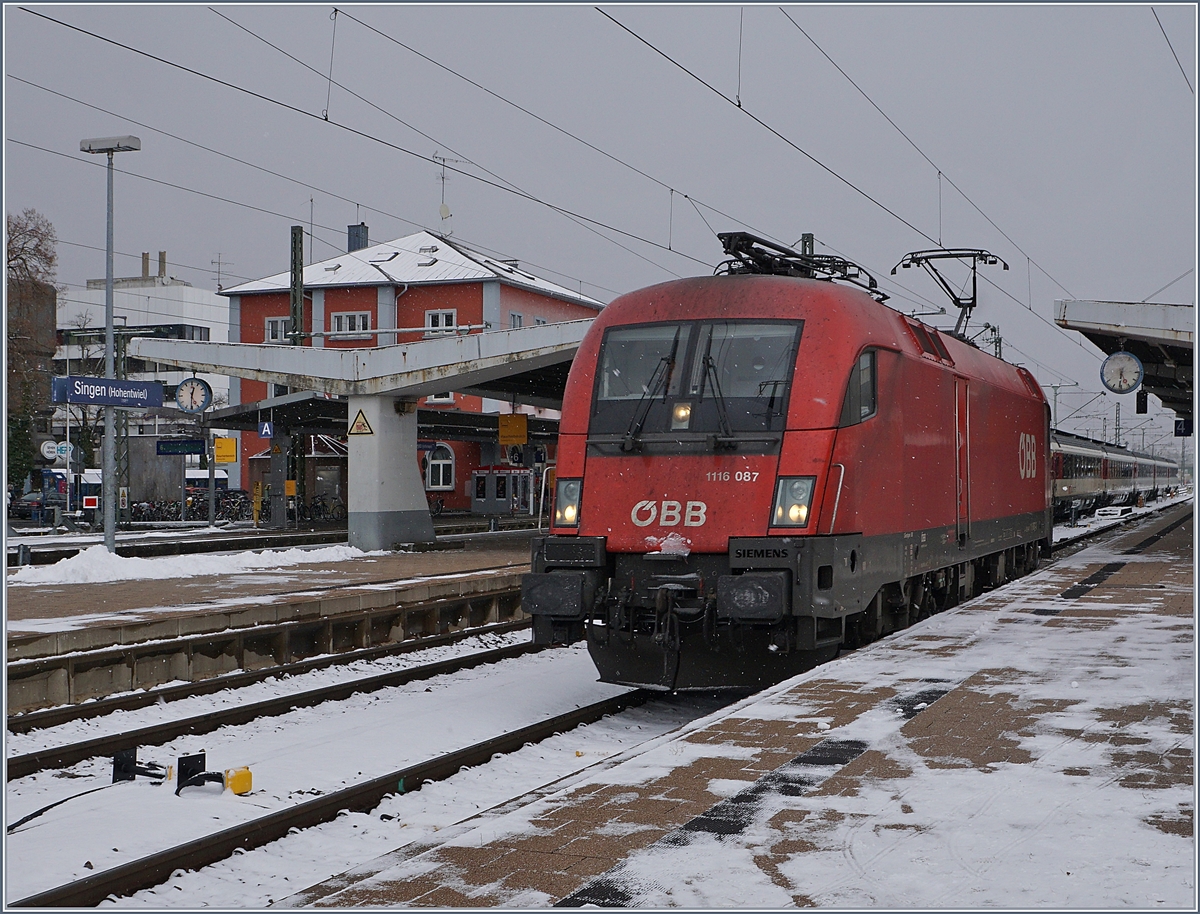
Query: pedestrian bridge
point(386, 498)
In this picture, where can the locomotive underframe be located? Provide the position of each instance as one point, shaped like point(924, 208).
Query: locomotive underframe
point(768, 608)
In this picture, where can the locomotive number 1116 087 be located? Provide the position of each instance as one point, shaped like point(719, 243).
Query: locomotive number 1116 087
point(736, 476)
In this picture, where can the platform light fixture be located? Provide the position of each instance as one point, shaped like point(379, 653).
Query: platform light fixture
point(109, 145)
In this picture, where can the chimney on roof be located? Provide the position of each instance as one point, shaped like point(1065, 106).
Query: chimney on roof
point(162, 264)
point(145, 264)
point(356, 237)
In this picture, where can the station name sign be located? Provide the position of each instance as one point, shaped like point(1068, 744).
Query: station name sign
point(107, 392)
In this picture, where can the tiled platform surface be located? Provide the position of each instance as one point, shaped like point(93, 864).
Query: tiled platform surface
point(1033, 748)
point(34, 608)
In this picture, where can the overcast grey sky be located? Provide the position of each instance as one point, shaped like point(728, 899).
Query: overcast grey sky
point(1071, 129)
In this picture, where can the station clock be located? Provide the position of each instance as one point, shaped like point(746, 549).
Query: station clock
point(193, 395)
point(1121, 372)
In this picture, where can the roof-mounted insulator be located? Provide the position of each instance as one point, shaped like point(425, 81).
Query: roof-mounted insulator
point(751, 254)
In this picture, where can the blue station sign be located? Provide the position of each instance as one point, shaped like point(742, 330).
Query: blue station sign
point(107, 392)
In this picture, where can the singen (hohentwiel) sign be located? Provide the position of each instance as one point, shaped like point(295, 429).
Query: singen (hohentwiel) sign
point(107, 392)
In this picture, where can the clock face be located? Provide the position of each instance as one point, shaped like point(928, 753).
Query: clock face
point(193, 395)
point(1121, 372)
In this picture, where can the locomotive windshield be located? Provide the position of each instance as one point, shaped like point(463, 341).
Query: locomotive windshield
point(704, 377)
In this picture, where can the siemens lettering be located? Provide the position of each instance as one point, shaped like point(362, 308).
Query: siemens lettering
point(107, 392)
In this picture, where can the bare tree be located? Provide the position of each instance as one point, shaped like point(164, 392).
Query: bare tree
point(31, 248)
point(32, 259)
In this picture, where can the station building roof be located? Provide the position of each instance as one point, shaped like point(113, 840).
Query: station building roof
point(1160, 335)
point(420, 258)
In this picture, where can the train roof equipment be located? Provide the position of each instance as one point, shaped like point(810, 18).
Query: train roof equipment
point(751, 254)
point(965, 303)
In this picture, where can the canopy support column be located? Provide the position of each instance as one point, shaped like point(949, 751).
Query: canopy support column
point(386, 497)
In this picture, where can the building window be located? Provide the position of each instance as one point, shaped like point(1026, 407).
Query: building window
point(539, 321)
point(440, 322)
point(447, 397)
point(277, 330)
point(439, 468)
point(279, 390)
point(348, 322)
point(515, 320)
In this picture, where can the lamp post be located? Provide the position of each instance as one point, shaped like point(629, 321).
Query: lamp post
point(109, 145)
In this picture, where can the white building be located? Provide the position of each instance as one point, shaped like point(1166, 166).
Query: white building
point(161, 305)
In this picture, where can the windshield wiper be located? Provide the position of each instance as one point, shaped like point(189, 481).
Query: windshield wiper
point(725, 439)
point(659, 380)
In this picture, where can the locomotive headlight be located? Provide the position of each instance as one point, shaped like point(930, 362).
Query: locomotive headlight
point(566, 502)
point(681, 416)
point(793, 499)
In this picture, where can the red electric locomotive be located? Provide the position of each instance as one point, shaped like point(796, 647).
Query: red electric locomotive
point(755, 470)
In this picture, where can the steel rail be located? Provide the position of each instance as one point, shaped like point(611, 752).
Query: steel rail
point(150, 871)
point(61, 756)
point(1077, 542)
point(54, 717)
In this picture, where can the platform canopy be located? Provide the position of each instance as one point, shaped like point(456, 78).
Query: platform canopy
point(526, 365)
point(1160, 335)
point(385, 503)
point(309, 413)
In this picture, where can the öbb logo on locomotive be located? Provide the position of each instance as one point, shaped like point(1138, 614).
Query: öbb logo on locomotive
point(694, 513)
point(1027, 455)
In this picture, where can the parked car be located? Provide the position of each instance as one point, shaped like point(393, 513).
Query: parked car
point(35, 501)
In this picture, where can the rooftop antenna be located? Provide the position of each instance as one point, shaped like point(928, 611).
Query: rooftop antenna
point(219, 263)
point(444, 210)
point(965, 303)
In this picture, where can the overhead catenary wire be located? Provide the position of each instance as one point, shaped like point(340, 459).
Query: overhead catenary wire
point(548, 123)
point(834, 173)
point(1167, 286)
point(941, 174)
point(1173, 54)
point(363, 135)
point(440, 160)
point(281, 176)
point(190, 190)
point(808, 155)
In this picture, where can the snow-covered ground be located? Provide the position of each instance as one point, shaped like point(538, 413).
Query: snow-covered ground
point(1004, 835)
point(306, 753)
point(49, 536)
point(96, 565)
point(122, 721)
point(1091, 524)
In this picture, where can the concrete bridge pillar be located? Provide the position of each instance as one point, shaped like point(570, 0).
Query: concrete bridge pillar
point(386, 495)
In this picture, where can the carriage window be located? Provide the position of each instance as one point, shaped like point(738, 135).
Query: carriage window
point(861, 400)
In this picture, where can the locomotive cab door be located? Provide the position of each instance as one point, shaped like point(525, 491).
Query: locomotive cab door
point(962, 460)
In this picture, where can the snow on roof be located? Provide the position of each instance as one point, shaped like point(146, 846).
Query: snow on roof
point(422, 258)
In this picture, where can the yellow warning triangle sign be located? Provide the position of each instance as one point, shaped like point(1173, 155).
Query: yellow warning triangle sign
point(360, 425)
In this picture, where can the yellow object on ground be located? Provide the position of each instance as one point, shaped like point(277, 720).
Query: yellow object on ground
point(238, 780)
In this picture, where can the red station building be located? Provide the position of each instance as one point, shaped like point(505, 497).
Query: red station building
point(401, 291)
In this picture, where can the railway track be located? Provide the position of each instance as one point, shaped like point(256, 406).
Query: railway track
point(154, 868)
point(54, 717)
point(157, 734)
